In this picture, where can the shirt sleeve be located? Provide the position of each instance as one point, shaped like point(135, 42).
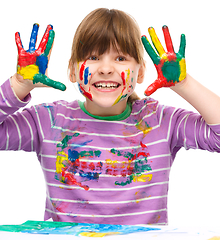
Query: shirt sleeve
point(192, 132)
point(18, 130)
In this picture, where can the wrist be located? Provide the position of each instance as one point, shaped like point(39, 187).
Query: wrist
point(181, 85)
point(20, 86)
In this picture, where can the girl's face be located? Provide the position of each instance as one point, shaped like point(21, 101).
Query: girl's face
point(107, 80)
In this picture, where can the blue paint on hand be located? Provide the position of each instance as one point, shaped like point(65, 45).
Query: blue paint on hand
point(33, 38)
point(42, 62)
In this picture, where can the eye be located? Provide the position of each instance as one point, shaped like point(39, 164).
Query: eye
point(120, 58)
point(93, 58)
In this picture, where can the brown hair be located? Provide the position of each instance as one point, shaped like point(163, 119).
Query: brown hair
point(103, 28)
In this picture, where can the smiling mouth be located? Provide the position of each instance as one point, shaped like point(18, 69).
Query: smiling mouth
point(104, 85)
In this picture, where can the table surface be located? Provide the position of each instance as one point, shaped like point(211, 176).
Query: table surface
point(158, 232)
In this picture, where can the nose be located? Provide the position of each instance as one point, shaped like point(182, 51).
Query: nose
point(106, 68)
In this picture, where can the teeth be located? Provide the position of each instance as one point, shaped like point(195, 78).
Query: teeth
point(106, 85)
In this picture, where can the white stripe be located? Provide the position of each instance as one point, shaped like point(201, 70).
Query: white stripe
point(170, 122)
point(3, 112)
point(146, 105)
point(106, 189)
point(32, 136)
point(47, 156)
point(48, 170)
point(77, 108)
point(197, 146)
point(104, 135)
point(185, 146)
point(113, 176)
point(115, 122)
point(50, 115)
point(94, 160)
point(4, 99)
point(7, 141)
point(39, 122)
point(117, 202)
point(19, 132)
point(107, 216)
point(119, 148)
point(110, 122)
point(93, 147)
point(177, 135)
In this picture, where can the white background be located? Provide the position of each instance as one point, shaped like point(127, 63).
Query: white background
point(194, 195)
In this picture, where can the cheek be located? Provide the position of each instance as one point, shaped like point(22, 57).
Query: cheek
point(83, 80)
point(84, 73)
point(86, 93)
point(128, 80)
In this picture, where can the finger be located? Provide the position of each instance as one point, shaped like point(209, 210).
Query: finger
point(156, 42)
point(159, 83)
point(182, 45)
point(33, 38)
point(44, 40)
point(155, 58)
point(18, 42)
point(49, 82)
point(168, 40)
point(151, 89)
point(49, 43)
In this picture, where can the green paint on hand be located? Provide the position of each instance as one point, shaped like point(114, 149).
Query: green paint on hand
point(171, 71)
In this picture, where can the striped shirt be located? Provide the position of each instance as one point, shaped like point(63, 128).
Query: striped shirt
point(111, 170)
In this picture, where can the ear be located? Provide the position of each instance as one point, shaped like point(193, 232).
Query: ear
point(141, 73)
point(72, 74)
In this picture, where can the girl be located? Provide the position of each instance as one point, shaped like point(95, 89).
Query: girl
point(108, 159)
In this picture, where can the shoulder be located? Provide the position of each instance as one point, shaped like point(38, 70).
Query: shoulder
point(145, 105)
point(60, 105)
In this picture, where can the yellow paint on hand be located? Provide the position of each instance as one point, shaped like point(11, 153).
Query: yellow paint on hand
point(182, 64)
point(95, 234)
point(28, 72)
point(214, 238)
point(157, 43)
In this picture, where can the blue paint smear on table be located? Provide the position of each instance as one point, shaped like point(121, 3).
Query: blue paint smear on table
point(44, 227)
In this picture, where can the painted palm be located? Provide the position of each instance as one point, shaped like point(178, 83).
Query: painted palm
point(170, 66)
point(32, 64)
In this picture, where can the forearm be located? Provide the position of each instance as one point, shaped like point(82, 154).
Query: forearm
point(202, 99)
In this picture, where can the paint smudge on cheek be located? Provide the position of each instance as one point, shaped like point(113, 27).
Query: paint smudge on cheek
point(84, 92)
point(86, 76)
point(125, 81)
point(81, 71)
point(123, 78)
point(84, 73)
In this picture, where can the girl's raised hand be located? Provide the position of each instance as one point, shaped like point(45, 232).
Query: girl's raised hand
point(170, 66)
point(32, 64)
